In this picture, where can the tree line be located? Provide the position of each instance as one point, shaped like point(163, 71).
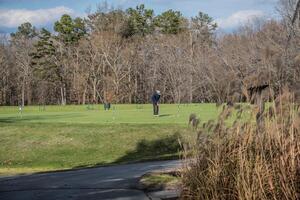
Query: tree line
point(123, 56)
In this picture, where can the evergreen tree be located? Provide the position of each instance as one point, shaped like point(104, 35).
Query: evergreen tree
point(203, 25)
point(140, 21)
point(70, 30)
point(25, 30)
point(43, 57)
point(170, 22)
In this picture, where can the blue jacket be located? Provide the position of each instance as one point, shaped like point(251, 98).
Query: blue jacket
point(155, 98)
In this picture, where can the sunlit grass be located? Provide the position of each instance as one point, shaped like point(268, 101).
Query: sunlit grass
point(64, 137)
point(137, 114)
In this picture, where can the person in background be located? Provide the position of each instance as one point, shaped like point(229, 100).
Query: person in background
point(108, 100)
point(155, 99)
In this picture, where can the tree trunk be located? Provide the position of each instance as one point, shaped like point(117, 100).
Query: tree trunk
point(94, 91)
point(83, 96)
point(63, 95)
point(136, 90)
point(29, 96)
point(130, 87)
point(191, 89)
point(23, 94)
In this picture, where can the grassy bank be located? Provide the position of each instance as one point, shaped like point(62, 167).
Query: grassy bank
point(42, 146)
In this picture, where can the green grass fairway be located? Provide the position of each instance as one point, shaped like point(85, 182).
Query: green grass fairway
point(65, 137)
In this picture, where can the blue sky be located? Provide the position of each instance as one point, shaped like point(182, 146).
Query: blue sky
point(229, 14)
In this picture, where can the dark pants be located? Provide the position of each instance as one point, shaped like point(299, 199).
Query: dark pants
point(106, 106)
point(155, 109)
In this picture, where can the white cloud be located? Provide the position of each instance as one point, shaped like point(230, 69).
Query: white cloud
point(240, 18)
point(14, 17)
point(272, 2)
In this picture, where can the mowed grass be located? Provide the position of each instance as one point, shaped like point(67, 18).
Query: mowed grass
point(66, 137)
point(83, 114)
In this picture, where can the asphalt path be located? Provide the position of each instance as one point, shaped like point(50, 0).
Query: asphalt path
point(111, 182)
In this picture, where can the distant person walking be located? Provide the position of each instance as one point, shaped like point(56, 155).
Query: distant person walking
point(155, 99)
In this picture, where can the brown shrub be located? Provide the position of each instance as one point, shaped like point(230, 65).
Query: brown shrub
point(244, 162)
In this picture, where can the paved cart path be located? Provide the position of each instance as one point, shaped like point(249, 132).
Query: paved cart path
point(112, 182)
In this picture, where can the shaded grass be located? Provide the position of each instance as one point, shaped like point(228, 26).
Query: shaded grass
point(40, 147)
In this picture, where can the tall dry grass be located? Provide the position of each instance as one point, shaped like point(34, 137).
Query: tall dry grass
point(243, 161)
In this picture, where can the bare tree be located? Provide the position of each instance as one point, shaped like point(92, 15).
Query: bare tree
point(22, 49)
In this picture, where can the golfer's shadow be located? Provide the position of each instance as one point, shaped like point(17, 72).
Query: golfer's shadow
point(165, 115)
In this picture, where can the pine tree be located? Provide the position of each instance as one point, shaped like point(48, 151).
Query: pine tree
point(69, 30)
point(203, 25)
point(25, 30)
point(140, 21)
point(170, 22)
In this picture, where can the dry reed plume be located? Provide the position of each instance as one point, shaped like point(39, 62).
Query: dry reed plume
point(243, 161)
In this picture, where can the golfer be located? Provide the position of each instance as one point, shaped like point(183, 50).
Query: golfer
point(155, 99)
